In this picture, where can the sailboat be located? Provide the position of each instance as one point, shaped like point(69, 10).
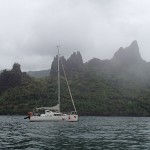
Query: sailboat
point(54, 113)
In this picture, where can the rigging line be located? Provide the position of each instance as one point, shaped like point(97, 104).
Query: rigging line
point(68, 86)
point(51, 92)
point(40, 93)
point(49, 95)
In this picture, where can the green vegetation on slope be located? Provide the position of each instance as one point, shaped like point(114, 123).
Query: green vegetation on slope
point(120, 86)
point(93, 95)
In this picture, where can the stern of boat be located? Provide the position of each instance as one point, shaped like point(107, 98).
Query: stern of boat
point(73, 118)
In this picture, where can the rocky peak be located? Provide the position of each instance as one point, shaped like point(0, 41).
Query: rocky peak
point(54, 66)
point(73, 63)
point(75, 58)
point(128, 55)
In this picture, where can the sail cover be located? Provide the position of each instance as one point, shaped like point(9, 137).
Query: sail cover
point(54, 108)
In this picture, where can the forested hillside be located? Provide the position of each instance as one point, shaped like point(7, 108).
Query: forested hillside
point(119, 86)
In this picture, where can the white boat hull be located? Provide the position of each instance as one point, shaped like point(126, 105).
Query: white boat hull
point(69, 118)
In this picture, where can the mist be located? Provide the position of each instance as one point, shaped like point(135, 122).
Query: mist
point(30, 30)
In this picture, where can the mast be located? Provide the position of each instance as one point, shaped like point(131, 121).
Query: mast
point(58, 80)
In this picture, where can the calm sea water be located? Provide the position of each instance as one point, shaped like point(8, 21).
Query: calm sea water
point(90, 133)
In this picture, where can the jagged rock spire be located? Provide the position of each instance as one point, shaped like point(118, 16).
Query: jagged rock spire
point(128, 55)
point(73, 63)
point(54, 66)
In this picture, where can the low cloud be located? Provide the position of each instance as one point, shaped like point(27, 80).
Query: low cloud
point(30, 30)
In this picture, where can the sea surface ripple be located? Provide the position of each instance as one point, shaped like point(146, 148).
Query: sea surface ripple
point(90, 133)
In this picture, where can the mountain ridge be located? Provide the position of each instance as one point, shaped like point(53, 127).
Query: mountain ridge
point(99, 87)
point(123, 59)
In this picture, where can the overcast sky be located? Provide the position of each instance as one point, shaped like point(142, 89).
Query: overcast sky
point(30, 30)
